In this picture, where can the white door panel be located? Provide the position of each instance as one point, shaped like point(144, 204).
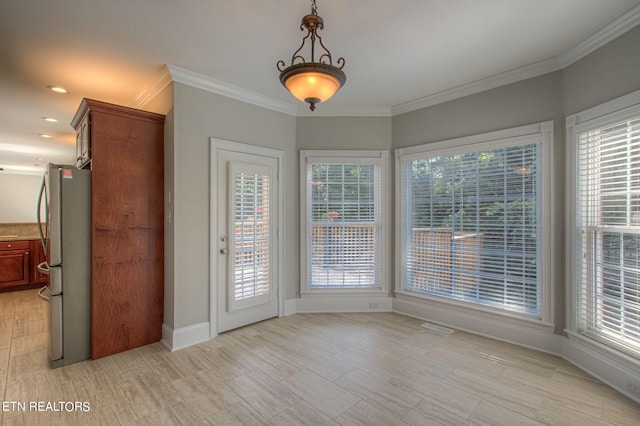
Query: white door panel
point(247, 252)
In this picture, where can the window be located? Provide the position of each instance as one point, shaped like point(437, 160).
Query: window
point(607, 217)
point(343, 217)
point(252, 216)
point(473, 220)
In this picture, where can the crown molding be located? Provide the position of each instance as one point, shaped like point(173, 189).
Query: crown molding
point(170, 73)
point(498, 80)
point(181, 75)
point(608, 33)
point(154, 87)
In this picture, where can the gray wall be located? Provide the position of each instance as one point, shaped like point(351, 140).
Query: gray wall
point(199, 115)
point(607, 73)
point(163, 104)
point(343, 133)
point(530, 101)
point(18, 197)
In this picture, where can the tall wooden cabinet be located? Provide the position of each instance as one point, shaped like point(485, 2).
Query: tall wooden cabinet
point(123, 147)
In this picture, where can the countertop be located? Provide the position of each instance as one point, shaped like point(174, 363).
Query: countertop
point(19, 231)
point(4, 238)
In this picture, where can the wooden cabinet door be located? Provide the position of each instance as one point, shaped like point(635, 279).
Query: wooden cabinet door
point(83, 141)
point(14, 267)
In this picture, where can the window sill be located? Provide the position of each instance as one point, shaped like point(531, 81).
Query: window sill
point(341, 292)
point(615, 368)
point(605, 351)
point(525, 332)
point(477, 309)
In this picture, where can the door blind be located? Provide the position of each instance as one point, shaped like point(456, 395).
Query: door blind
point(470, 227)
point(343, 225)
point(252, 235)
point(609, 223)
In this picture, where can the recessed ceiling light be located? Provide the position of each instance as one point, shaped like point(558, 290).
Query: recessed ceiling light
point(39, 159)
point(58, 89)
point(50, 119)
point(44, 135)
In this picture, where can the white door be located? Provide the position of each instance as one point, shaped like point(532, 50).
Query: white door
point(247, 248)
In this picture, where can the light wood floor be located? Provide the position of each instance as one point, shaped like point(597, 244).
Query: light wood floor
point(305, 369)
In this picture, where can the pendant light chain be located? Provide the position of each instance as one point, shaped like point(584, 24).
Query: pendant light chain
point(314, 8)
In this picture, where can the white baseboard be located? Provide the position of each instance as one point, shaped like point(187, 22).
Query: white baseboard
point(615, 369)
point(318, 303)
point(512, 330)
point(176, 339)
point(290, 307)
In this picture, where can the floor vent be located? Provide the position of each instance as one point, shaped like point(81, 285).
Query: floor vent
point(438, 328)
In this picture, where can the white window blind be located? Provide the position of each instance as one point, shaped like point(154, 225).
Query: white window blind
point(251, 235)
point(609, 224)
point(470, 225)
point(343, 223)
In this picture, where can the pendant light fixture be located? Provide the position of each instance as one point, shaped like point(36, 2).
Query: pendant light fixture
point(314, 81)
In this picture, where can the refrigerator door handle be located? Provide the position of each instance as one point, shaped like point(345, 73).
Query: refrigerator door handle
point(42, 296)
point(43, 267)
point(43, 191)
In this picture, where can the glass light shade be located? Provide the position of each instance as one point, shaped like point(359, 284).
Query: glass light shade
point(310, 85)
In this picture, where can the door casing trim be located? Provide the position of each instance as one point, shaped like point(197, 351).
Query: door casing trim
point(218, 145)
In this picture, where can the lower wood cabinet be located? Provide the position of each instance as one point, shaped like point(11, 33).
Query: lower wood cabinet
point(19, 264)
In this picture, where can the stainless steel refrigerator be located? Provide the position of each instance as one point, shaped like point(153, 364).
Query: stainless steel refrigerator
point(65, 198)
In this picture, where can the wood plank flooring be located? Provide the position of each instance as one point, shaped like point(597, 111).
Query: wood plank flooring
point(305, 369)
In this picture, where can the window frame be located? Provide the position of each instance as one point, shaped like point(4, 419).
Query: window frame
point(608, 113)
point(539, 132)
point(378, 157)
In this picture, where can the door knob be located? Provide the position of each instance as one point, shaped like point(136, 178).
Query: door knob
point(224, 251)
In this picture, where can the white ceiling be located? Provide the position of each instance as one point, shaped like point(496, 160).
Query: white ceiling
point(400, 54)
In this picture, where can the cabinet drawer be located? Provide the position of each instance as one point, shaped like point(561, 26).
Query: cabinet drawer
point(14, 245)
